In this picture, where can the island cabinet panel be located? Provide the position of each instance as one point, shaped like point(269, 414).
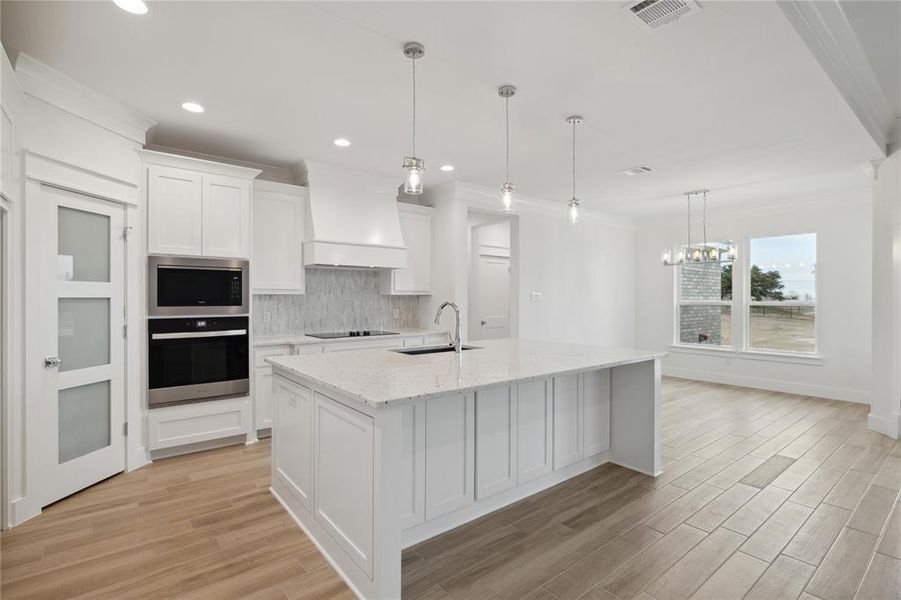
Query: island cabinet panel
point(292, 446)
point(412, 492)
point(343, 454)
point(495, 440)
point(595, 412)
point(567, 421)
point(449, 454)
point(534, 433)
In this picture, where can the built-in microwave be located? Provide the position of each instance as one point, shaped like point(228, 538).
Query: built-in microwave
point(197, 286)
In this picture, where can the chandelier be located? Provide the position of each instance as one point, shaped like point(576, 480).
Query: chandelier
point(702, 251)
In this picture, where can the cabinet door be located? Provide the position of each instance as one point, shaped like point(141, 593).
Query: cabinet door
point(277, 240)
point(174, 211)
point(567, 421)
point(292, 447)
point(495, 440)
point(449, 449)
point(416, 278)
point(535, 434)
point(262, 397)
point(596, 412)
point(412, 491)
point(226, 216)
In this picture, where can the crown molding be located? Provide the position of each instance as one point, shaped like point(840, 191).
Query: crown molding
point(198, 164)
point(825, 29)
point(267, 172)
point(49, 85)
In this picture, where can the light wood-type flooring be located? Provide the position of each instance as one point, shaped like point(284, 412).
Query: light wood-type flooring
point(764, 496)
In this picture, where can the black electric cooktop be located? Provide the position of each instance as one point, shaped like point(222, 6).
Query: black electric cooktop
point(331, 335)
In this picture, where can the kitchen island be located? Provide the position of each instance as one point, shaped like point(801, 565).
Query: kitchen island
point(375, 450)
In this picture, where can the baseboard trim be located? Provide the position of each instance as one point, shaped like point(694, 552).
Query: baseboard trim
point(774, 385)
point(197, 447)
point(886, 425)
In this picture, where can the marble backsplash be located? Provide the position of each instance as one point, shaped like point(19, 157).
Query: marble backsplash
point(335, 300)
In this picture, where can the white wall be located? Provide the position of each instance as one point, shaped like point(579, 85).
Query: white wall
point(842, 220)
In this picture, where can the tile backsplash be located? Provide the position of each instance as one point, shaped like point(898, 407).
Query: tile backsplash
point(336, 300)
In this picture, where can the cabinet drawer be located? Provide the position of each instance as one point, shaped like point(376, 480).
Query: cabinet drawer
point(180, 425)
point(260, 354)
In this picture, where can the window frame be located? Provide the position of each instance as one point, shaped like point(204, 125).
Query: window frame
point(747, 303)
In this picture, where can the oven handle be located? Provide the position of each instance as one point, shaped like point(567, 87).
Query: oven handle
point(197, 334)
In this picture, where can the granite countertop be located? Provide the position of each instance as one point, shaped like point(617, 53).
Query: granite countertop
point(378, 376)
point(299, 340)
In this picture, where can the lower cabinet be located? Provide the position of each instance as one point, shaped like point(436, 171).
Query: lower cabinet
point(567, 421)
point(294, 407)
point(534, 430)
point(495, 431)
point(343, 467)
point(262, 385)
point(172, 426)
point(449, 454)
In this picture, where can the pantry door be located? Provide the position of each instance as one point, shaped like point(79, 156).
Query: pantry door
point(82, 307)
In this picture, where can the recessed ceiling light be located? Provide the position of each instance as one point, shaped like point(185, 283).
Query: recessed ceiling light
point(447, 168)
point(342, 142)
point(192, 107)
point(636, 171)
point(135, 7)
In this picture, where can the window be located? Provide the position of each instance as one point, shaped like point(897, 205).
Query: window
point(782, 294)
point(704, 304)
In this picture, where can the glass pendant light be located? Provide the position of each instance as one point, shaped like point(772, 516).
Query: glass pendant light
point(574, 212)
point(413, 167)
point(507, 189)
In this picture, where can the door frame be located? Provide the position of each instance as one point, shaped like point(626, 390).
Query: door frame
point(472, 266)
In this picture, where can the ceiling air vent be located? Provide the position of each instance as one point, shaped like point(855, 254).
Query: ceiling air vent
point(636, 170)
point(657, 13)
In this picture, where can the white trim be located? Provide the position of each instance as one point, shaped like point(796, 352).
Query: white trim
point(80, 180)
point(47, 84)
point(775, 385)
point(708, 350)
point(782, 303)
point(890, 425)
point(153, 157)
point(278, 176)
point(801, 358)
point(825, 29)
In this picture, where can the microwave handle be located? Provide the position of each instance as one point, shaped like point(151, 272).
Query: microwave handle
point(197, 334)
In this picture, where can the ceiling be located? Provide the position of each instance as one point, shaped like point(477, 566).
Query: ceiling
point(724, 98)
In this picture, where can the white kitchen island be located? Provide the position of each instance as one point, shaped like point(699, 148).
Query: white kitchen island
point(374, 450)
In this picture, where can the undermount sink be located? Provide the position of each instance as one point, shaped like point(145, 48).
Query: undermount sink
point(432, 350)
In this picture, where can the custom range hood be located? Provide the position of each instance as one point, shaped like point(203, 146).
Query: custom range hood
point(352, 220)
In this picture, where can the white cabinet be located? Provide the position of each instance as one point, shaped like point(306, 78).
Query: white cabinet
point(292, 449)
point(172, 426)
point(278, 230)
point(567, 421)
point(495, 440)
point(175, 211)
point(416, 278)
point(197, 207)
point(343, 466)
point(226, 216)
point(449, 450)
point(535, 433)
point(412, 490)
point(595, 412)
point(262, 384)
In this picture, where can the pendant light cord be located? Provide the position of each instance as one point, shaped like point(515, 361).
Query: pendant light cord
point(688, 197)
point(414, 106)
point(507, 117)
point(574, 158)
point(704, 223)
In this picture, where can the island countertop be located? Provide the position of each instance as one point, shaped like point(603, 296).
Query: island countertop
point(377, 377)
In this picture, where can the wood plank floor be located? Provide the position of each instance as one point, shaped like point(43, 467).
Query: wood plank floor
point(764, 495)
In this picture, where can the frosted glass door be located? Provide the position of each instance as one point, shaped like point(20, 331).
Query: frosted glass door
point(85, 374)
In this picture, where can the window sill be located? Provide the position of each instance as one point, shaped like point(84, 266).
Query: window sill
point(785, 357)
point(701, 349)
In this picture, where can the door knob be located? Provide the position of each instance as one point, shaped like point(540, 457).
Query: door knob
point(52, 361)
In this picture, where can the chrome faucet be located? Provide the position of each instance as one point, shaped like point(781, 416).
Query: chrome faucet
point(457, 344)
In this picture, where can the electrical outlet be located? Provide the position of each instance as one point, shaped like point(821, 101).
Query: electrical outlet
point(267, 317)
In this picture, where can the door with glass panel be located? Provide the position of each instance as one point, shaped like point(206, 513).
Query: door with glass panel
point(83, 318)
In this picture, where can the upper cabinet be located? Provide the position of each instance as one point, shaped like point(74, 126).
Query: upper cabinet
point(416, 224)
point(278, 228)
point(197, 207)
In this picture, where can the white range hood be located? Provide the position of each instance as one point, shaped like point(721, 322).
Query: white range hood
point(352, 220)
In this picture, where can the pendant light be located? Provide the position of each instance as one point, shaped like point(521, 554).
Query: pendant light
point(574, 212)
point(413, 167)
point(704, 252)
point(507, 189)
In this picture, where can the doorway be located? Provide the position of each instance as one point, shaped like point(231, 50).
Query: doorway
point(490, 276)
point(78, 258)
